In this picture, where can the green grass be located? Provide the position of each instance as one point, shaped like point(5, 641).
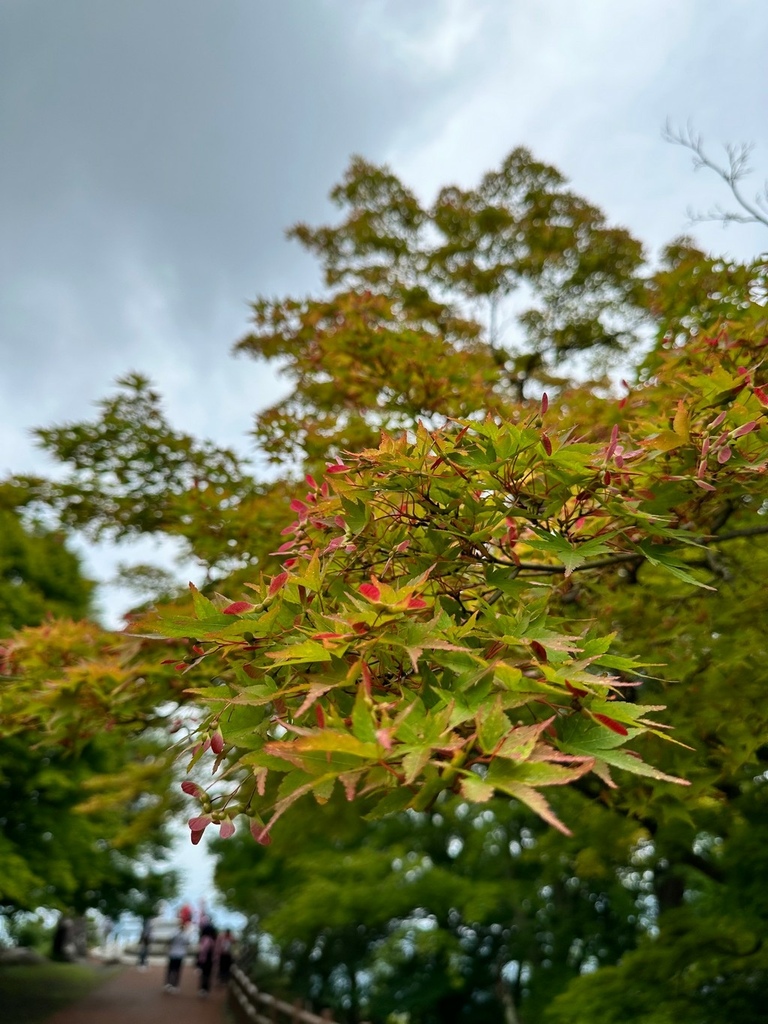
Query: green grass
point(31, 993)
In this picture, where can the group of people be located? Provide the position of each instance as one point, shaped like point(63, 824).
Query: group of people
point(215, 953)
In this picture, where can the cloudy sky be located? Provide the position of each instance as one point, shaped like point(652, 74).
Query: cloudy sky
point(152, 152)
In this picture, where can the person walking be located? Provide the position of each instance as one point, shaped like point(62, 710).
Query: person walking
point(205, 958)
point(177, 950)
point(224, 955)
point(144, 942)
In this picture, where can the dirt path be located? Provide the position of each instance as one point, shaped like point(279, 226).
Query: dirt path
point(137, 997)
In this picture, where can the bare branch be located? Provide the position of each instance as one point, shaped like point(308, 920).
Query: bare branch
point(732, 173)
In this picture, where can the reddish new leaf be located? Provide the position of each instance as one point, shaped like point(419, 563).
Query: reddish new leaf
point(238, 607)
point(538, 650)
point(367, 678)
point(745, 428)
point(575, 690)
point(384, 737)
point(612, 724)
point(260, 833)
point(278, 582)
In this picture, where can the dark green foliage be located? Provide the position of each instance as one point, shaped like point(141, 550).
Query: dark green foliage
point(39, 576)
point(53, 854)
point(453, 914)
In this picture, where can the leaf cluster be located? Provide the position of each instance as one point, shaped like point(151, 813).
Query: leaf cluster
point(414, 643)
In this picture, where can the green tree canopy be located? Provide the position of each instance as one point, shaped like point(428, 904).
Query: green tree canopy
point(494, 598)
point(78, 807)
point(458, 914)
point(412, 324)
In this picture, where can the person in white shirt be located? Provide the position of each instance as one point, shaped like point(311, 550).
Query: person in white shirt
point(177, 950)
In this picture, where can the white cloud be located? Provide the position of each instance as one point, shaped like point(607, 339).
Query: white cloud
point(425, 40)
point(556, 75)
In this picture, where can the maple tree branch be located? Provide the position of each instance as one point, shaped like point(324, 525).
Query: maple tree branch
point(747, 531)
point(600, 563)
point(636, 556)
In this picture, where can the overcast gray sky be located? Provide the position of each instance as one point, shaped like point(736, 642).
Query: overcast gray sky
point(152, 152)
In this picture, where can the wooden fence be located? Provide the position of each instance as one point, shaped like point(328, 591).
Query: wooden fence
point(262, 1008)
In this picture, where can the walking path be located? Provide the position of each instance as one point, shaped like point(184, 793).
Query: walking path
point(137, 997)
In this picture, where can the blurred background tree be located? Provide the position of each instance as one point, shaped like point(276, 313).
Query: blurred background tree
point(39, 575)
point(81, 816)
